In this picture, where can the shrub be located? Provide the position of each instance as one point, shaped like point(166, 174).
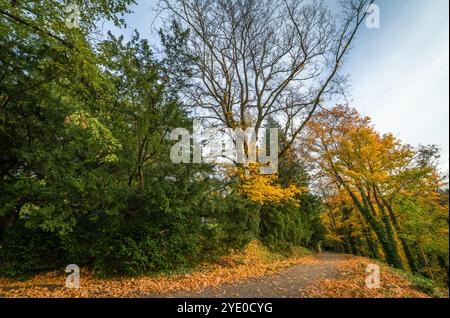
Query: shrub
point(25, 251)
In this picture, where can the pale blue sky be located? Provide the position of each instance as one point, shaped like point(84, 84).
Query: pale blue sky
point(399, 73)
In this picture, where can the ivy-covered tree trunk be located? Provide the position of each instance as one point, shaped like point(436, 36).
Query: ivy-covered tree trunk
point(372, 246)
point(381, 202)
point(390, 250)
point(406, 248)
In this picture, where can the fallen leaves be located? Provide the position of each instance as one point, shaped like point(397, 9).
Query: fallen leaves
point(351, 283)
point(254, 261)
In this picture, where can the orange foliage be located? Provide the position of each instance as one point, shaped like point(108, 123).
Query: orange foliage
point(351, 283)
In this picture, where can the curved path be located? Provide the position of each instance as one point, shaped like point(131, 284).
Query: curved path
point(288, 283)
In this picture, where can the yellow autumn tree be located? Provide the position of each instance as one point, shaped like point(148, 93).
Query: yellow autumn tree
point(378, 173)
point(265, 189)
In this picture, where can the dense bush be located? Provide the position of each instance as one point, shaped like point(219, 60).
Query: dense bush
point(24, 251)
point(285, 226)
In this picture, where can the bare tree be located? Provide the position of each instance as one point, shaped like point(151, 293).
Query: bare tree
point(259, 58)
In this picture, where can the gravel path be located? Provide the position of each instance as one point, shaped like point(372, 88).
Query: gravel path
point(288, 283)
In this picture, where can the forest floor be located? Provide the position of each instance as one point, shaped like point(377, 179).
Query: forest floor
point(254, 273)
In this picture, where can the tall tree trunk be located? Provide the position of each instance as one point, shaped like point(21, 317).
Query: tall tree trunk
point(427, 264)
point(390, 250)
point(372, 246)
point(390, 233)
point(389, 247)
point(406, 248)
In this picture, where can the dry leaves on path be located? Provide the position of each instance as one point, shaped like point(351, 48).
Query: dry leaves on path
point(254, 261)
point(352, 283)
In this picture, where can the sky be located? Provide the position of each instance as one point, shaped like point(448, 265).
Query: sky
point(399, 72)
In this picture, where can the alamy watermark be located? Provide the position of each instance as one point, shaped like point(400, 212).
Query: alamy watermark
point(73, 276)
point(373, 279)
point(73, 16)
point(373, 16)
point(215, 145)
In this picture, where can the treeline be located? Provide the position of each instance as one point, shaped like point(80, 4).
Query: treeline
point(383, 199)
point(85, 169)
